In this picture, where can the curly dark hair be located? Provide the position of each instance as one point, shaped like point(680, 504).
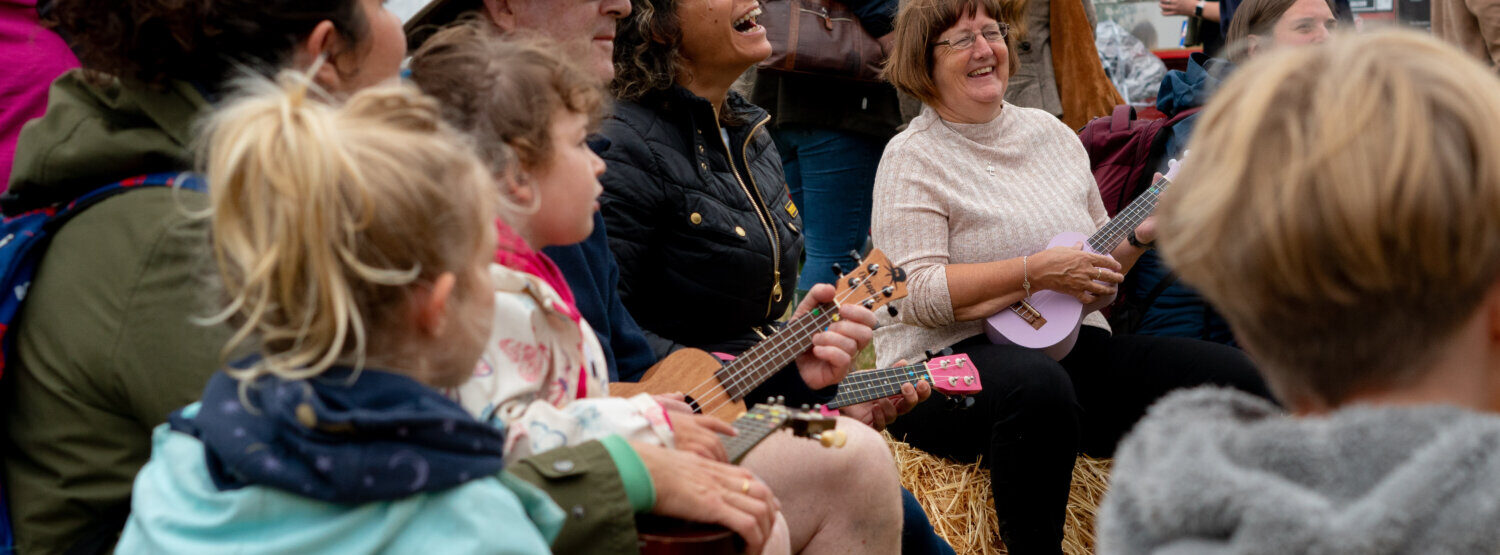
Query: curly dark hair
point(200, 41)
point(648, 55)
point(505, 90)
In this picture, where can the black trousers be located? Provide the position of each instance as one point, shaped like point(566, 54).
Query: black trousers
point(1036, 414)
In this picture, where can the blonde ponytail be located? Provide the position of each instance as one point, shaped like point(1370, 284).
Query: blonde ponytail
point(325, 216)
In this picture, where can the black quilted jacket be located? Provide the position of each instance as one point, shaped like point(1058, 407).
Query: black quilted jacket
point(706, 236)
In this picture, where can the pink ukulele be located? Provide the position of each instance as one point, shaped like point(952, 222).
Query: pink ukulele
point(952, 375)
point(1049, 320)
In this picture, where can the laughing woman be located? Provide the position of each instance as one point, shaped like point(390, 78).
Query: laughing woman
point(965, 200)
point(697, 211)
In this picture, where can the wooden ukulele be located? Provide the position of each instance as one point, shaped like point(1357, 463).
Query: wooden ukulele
point(1049, 321)
point(719, 389)
point(666, 536)
point(952, 375)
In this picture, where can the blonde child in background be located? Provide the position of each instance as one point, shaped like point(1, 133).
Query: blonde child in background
point(543, 376)
point(353, 243)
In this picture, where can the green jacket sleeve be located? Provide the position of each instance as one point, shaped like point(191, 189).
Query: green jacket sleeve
point(585, 482)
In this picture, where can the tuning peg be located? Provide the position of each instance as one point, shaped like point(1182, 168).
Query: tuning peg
point(833, 438)
point(869, 304)
point(838, 269)
point(891, 309)
point(888, 291)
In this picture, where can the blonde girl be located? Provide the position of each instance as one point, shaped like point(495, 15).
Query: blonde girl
point(352, 242)
point(543, 376)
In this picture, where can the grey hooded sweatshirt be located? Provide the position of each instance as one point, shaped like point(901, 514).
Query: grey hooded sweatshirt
point(1213, 470)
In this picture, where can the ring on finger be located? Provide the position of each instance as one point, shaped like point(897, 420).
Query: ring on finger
point(1098, 272)
point(745, 486)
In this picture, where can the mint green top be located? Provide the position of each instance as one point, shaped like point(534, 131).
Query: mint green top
point(176, 508)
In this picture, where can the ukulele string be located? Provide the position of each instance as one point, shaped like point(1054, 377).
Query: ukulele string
point(799, 326)
point(875, 384)
point(882, 377)
point(806, 324)
point(801, 321)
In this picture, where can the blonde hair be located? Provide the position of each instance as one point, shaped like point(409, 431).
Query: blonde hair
point(324, 217)
point(918, 25)
point(1341, 206)
point(504, 91)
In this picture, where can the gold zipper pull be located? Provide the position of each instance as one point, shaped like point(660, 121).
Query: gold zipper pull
point(776, 290)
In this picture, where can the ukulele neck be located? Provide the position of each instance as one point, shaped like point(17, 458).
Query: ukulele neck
point(877, 384)
point(1114, 232)
point(756, 365)
point(752, 429)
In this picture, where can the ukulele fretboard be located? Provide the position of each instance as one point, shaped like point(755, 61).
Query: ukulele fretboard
point(1108, 237)
point(755, 365)
point(861, 387)
point(753, 427)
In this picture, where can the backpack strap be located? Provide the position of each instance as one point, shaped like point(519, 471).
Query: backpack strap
point(1158, 147)
point(184, 180)
point(1119, 121)
point(24, 239)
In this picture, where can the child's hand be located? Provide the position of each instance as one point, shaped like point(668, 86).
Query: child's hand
point(699, 434)
point(673, 402)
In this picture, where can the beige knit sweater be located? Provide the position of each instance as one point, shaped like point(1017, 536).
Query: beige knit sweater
point(949, 193)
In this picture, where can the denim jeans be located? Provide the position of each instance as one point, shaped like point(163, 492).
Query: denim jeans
point(831, 175)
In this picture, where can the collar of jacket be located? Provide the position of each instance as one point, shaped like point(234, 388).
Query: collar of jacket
point(341, 437)
point(96, 134)
point(740, 114)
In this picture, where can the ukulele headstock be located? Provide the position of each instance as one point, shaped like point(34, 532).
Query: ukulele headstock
point(1159, 185)
point(875, 283)
point(953, 375)
point(817, 425)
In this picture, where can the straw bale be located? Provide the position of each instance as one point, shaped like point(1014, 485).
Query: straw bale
point(959, 502)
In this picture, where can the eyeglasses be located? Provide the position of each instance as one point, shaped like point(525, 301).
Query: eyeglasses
point(993, 33)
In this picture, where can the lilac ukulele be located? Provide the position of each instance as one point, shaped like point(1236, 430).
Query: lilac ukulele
point(1049, 320)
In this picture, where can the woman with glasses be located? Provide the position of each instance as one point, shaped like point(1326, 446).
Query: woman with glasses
point(966, 200)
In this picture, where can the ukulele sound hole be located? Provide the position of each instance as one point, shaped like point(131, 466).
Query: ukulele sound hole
point(697, 408)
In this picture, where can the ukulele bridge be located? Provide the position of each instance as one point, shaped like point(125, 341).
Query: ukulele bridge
point(1029, 314)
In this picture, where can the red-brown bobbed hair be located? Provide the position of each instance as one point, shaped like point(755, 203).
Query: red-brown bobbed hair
point(918, 25)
